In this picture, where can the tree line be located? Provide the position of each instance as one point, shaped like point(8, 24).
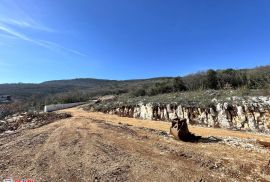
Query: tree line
point(35, 96)
point(258, 78)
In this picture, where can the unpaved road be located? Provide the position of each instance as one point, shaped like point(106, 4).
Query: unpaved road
point(95, 147)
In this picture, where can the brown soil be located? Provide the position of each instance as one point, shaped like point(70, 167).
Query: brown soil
point(95, 147)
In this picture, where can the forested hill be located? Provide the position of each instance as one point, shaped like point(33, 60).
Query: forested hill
point(89, 85)
point(81, 89)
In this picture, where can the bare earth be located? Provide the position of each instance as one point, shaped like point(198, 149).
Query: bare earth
point(99, 147)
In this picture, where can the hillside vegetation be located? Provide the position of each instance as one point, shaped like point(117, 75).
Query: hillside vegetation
point(34, 96)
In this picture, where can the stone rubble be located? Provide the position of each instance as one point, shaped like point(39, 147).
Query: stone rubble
point(26, 120)
point(246, 144)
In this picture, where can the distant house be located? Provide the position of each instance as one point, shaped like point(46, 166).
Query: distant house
point(5, 98)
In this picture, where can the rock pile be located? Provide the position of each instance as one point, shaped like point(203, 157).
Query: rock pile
point(29, 120)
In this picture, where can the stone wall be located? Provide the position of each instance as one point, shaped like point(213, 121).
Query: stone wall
point(248, 116)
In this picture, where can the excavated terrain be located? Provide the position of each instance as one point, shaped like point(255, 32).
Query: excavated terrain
point(99, 147)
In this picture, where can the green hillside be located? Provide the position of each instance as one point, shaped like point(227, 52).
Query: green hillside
point(82, 89)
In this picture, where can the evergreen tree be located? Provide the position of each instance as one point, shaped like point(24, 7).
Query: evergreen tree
point(212, 80)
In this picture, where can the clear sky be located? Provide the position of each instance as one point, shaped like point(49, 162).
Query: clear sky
point(126, 39)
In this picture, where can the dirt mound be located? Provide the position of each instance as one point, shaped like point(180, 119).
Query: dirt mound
point(29, 120)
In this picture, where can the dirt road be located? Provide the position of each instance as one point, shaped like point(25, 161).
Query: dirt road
point(99, 147)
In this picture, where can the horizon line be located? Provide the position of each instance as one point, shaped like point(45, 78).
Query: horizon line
point(131, 79)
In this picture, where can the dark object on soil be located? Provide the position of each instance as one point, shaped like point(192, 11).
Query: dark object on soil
point(263, 143)
point(179, 130)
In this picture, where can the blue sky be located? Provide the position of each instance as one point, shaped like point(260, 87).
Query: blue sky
point(126, 39)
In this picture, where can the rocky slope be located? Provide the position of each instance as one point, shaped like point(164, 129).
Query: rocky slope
point(248, 114)
point(28, 120)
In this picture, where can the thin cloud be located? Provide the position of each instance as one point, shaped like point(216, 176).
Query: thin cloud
point(12, 32)
point(14, 20)
point(25, 24)
point(12, 13)
point(7, 36)
point(57, 46)
point(47, 44)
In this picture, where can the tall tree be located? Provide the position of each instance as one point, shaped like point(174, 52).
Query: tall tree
point(212, 80)
point(178, 84)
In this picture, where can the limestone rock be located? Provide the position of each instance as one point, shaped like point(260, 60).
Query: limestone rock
point(3, 126)
point(251, 113)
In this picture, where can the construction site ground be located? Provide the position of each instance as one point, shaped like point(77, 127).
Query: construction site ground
point(92, 146)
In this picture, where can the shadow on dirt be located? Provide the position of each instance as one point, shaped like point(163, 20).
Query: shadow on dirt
point(210, 139)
